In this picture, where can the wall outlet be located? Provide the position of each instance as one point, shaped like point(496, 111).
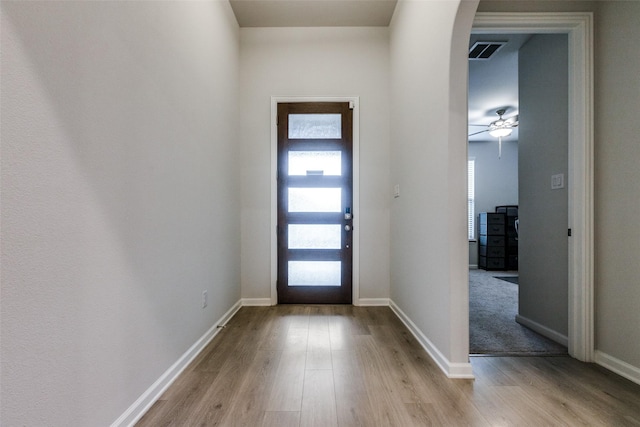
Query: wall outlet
point(204, 299)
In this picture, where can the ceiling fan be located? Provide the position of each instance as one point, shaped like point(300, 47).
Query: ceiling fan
point(499, 128)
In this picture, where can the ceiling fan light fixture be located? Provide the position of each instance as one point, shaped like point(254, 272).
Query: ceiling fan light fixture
point(500, 132)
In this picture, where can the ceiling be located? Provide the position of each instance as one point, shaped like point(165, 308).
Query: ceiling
point(493, 84)
point(313, 13)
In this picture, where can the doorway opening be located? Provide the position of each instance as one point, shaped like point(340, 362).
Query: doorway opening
point(579, 29)
point(518, 297)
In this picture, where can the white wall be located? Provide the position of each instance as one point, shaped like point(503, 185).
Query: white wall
point(119, 199)
point(315, 62)
point(429, 162)
point(617, 182)
point(543, 247)
point(496, 180)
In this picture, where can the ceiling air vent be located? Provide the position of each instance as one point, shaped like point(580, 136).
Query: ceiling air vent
point(484, 50)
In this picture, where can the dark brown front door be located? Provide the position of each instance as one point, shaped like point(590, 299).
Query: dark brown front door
point(314, 203)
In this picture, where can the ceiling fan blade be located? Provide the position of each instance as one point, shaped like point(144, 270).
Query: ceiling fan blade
point(476, 133)
point(476, 125)
point(513, 120)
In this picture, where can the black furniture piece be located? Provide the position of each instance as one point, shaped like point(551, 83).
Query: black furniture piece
point(511, 211)
point(492, 240)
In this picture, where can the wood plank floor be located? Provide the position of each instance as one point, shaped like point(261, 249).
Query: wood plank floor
point(359, 366)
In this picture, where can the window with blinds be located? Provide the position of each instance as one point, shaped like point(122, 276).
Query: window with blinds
point(471, 222)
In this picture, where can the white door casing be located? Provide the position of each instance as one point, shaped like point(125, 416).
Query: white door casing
point(579, 28)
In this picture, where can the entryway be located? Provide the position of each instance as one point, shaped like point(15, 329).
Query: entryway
point(314, 202)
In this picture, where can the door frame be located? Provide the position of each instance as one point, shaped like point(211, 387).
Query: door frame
point(579, 28)
point(355, 101)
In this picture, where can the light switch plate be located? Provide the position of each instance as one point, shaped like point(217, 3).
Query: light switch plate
point(557, 181)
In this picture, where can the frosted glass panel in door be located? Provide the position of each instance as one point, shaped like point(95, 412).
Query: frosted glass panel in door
point(315, 126)
point(315, 236)
point(315, 199)
point(315, 163)
point(315, 273)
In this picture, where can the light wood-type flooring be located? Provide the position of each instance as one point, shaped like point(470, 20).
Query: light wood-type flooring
point(359, 366)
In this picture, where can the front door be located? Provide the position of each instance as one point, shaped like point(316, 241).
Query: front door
point(314, 203)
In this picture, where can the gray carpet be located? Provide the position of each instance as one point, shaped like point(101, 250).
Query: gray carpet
point(493, 305)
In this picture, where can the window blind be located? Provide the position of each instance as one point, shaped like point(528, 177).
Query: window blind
point(471, 166)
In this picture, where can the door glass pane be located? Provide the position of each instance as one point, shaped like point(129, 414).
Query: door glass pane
point(315, 163)
point(315, 236)
point(315, 273)
point(315, 199)
point(315, 126)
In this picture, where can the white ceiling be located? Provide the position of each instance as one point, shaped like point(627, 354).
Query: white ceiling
point(313, 13)
point(493, 84)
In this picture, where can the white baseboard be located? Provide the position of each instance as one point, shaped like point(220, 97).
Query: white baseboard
point(373, 302)
point(256, 302)
point(153, 393)
point(543, 330)
point(473, 266)
point(363, 302)
point(630, 372)
point(451, 370)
